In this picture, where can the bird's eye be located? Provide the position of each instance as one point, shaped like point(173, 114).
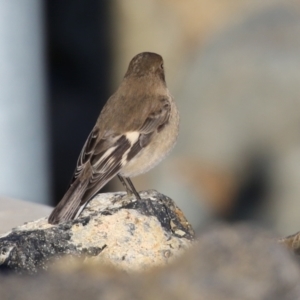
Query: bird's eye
point(162, 66)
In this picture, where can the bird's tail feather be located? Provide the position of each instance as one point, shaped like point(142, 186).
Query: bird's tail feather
point(70, 204)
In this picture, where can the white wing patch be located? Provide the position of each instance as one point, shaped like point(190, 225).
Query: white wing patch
point(132, 137)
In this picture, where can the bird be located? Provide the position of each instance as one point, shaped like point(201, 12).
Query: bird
point(137, 127)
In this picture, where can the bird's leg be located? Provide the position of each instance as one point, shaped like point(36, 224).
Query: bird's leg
point(130, 189)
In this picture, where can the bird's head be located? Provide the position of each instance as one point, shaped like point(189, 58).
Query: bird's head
point(145, 64)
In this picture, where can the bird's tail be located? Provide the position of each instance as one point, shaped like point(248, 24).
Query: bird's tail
point(70, 204)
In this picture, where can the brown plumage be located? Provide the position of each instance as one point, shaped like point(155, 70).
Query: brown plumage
point(136, 128)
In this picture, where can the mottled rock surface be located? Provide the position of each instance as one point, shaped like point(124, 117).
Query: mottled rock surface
point(113, 228)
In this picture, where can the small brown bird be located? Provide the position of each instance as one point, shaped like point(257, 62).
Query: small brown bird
point(136, 129)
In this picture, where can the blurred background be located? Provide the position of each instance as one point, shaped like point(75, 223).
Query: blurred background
point(232, 66)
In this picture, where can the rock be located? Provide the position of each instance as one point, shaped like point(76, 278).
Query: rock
point(239, 262)
point(113, 228)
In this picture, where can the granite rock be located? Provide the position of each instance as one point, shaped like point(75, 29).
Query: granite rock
point(113, 228)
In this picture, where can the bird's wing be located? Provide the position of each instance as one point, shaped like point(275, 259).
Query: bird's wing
point(102, 158)
point(158, 118)
point(99, 161)
point(153, 124)
point(107, 156)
